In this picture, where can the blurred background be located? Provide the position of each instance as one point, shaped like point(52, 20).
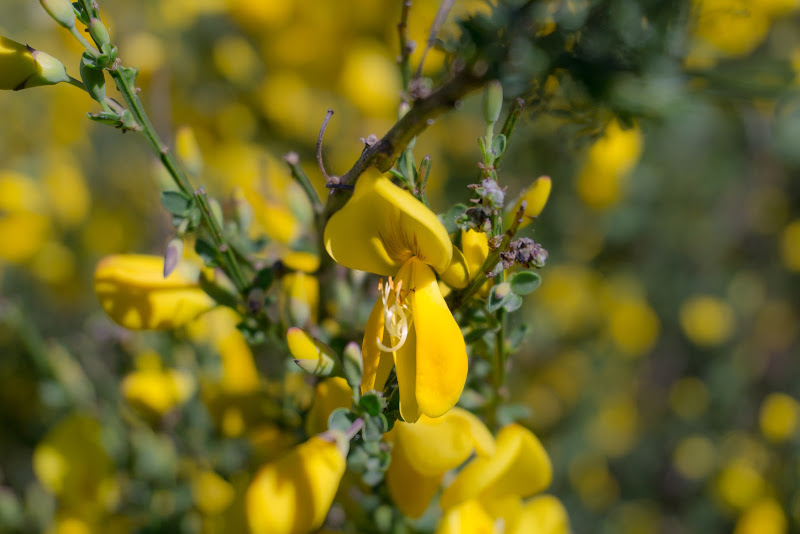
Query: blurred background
point(660, 367)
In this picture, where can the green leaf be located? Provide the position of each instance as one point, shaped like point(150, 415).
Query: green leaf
point(498, 296)
point(264, 278)
point(512, 302)
point(524, 282)
point(477, 334)
point(449, 218)
point(499, 145)
point(371, 403)
point(176, 203)
point(340, 419)
point(207, 251)
point(352, 365)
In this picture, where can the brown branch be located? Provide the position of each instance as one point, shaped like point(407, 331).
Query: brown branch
point(385, 152)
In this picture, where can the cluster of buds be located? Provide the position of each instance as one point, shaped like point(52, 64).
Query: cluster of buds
point(489, 202)
point(525, 252)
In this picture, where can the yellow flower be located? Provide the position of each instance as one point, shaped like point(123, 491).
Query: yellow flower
point(155, 389)
point(134, 293)
point(329, 394)
point(383, 229)
point(707, 321)
point(293, 494)
point(536, 196)
point(417, 467)
point(520, 467)
point(22, 67)
point(778, 417)
point(541, 515)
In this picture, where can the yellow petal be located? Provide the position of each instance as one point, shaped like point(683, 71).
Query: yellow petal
point(451, 435)
point(519, 467)
point(405, 363)
point(458, 273)
point(467, 518)
point(544, 515)
point(377, 364)
point(293, 494)
point(475, 246)
point(299, 299)
point(482, 439)
point(329, 394)
point(16, 64)
point(134, 293)
point(410, 490)
point(312, 355)
point(382, 226)
point(535, 196)
point(441, 355)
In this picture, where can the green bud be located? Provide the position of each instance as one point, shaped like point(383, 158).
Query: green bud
point(50, 71)
point(61, 11)
point(93, 79)
point(492, 101)
point(312, 355)
point(99, 32)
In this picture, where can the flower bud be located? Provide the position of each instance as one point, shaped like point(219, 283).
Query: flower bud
point(293, 494)
point(312, 355)
point(134, 293)
point(22, 67)
point(492, 101)
point(99, 32)
point(535, 196)
point(61, 11)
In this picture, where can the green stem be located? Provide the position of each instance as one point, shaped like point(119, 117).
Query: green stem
point(405, 47)
point(511, 121)
point(170, 162)
point(76, 83)
point(76, 33)
point(460, 297)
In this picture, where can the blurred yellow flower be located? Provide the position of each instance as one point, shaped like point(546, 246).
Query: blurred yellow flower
point(706, 320)
point(778, 417)
point(601, 179)
point(468, 517)
point(212, 494)
point(383, 229)
point(370, 79)
point(633, 325)
point(293, 494)
point(765, 516)
point(694, 457)
point(299, 299)
point(689, 398)
point(70, 462)
point(24, 224)
point(134, 293)
point(329, 394)
point(739, 484)
point(790, 246)
point(157, 390)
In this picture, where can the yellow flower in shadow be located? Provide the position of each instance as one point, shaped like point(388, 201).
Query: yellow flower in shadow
point(519, 467)
point(383, 229)
point(417, 467)
point(134, 293)
point(293, 494)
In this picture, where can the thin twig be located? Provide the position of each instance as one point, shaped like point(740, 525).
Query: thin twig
point(385, 152)
point(328, 116)
point(511, 121)
point(438, 22)
point(406, 46)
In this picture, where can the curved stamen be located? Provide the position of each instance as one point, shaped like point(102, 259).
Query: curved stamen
point(396, 322)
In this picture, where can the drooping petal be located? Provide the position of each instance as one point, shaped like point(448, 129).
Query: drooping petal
point(410, 490)
point(293, 494)
point(377, 364)
point(467, 518)
point(441, 355)
point(405, 363)
point(435, 445)
point(519, 467)
point(382, 226)
point(543, 514)
point(457, 274)
point(482, 439)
